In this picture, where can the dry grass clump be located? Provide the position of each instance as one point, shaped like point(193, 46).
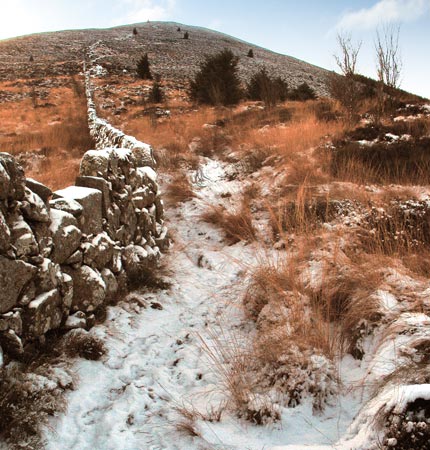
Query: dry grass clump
point(400, 228)
point(402, 162)
point(236, 224)
point(254, 159)
point(301, 210)
point(173, 157)
point(83, 344)
point(178, 190)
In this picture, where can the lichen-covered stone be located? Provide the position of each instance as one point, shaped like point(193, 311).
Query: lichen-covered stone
point(143, 155)
point(14, 276)
point(44, 313)
point(4, 234)
point(22, 238)
point(67, 205)
point(13, 185)
point(11, 321)
point(11, 343)
point(66, 235)
point(40, 189)
point(95, 163)
point(97, 183)
point(99, 251)
point(42, 233)
point(4, 182)
point(90, 221)
point(33, 208)
point(89, 289)
point(111, 284)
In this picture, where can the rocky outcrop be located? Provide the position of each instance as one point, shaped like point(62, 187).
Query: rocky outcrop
point(64, 254)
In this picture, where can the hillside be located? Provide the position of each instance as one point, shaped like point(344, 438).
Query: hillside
point(117, 49)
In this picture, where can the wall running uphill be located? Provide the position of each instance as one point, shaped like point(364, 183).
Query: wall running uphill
point(65, 254)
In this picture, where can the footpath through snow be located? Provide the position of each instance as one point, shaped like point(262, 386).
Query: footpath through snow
point(156, 365)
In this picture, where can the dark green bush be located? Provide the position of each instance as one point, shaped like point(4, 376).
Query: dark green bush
point(217, 81)
point(268, 89)
point(302, 92)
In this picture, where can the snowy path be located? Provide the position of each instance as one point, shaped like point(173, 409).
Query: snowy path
point(155, 360)
point(156, 363)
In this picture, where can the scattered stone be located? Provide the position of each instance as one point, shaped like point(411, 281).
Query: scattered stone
point(75, 321)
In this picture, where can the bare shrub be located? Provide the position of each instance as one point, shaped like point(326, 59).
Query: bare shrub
point(179, 190)
point(399, 228)
point(27, 399)
point(173, 156)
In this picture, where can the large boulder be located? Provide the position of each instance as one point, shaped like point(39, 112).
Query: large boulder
point(89, 289)
point(91, 220)
point(14, 276)
point(66, 236)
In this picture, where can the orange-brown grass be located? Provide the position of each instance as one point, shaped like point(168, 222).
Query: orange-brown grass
point(178, 190)
point(280, 286)
point(299, 211)
point(234, 361)
point(287, 132)
point(58, 134)
point(236, 223)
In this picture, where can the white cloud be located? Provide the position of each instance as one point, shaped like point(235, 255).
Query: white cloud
point(384, 11)
point(143, 10)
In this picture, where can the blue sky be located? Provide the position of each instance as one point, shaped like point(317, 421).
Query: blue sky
point(304, 29)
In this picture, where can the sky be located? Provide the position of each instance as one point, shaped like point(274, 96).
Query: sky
point(304, 29)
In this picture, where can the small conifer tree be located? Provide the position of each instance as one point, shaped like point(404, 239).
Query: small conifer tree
point(31, 58)
point(217, 82)
point(179, 29)
point(186, 35)
point(250, 53)
point(135, 31)
point(156, 95)
point(143, 69)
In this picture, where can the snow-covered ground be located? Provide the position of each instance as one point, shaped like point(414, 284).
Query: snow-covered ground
point(156, 364)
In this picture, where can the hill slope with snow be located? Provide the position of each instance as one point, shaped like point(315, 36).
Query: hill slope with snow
point(171, 56)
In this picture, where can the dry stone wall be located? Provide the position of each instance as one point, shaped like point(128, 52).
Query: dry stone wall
point(65, 254)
